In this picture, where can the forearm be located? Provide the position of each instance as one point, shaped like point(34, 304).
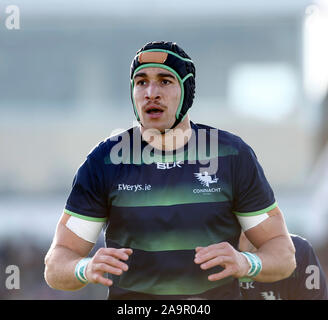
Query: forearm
point(60, 265)
point(278, 259)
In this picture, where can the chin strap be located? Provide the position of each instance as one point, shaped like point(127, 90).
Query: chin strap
point(177, 121)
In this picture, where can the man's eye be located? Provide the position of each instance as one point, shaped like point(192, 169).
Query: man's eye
point(165, 81)
point(141, 82)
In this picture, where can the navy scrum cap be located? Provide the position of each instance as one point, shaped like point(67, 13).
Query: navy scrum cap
point(170, 56)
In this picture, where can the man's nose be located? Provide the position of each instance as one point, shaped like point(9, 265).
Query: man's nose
point(152, 91)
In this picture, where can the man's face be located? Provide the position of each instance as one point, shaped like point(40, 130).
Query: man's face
point(157, 95)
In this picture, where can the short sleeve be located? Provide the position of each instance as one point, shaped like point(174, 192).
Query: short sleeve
point(87, 199)
point(253, 194)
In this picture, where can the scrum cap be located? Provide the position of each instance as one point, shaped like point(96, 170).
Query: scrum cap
point(170, 56)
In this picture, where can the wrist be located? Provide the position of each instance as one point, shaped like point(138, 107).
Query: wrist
point(245, 265)
point(254, 264)
point(80, 270)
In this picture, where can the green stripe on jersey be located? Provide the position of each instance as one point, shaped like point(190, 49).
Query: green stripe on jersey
point(71, 213)
point(165, 196)
point(255, 213)
point(166, 241)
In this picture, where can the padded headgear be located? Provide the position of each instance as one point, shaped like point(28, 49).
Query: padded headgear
point(171, 57)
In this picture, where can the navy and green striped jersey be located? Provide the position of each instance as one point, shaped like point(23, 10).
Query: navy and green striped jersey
point(165, 205)
point(307, 282)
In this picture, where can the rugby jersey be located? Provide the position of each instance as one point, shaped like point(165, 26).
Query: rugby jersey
point(164, 205)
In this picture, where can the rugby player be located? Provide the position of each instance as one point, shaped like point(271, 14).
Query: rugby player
point(171, 215)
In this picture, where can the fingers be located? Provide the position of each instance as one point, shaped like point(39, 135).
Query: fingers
point(98, 278)
point(112, 261)
point(221, 275)
point(107, 260)
point(221, 245)
point(211, 252)
point(110, 268)
point(200, 258)
point(122, 253)
point(219, 254)
point(217, 261)
point(128, 251)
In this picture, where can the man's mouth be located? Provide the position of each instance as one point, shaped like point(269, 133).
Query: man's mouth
point(154, 111)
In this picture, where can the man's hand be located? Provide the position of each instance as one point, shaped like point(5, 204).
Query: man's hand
point(107, 260)
point(222, 254)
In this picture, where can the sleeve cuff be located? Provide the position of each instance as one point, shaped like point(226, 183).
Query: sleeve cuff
point(255, 213)
point(84, 217)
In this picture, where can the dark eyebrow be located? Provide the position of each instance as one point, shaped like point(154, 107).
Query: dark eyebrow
point(166, 75)
point(160, 75)
point(141, 74)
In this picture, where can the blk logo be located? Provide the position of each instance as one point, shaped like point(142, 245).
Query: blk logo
point(168, 165)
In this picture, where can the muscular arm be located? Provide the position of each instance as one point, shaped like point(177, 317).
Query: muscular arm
point(68, 249)
point(65, 252)
point(275, 248)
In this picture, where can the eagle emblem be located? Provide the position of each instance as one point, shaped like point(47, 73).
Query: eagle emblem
point(205, 179)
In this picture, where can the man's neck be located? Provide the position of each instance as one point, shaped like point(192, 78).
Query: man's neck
point(172, 139)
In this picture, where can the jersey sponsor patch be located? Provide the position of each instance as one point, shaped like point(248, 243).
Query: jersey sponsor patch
point(133, 187)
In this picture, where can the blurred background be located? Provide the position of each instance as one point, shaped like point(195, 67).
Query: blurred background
point(261, 73)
